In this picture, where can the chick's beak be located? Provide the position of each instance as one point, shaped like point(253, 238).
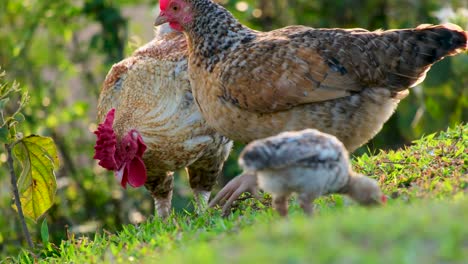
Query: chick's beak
point(161, 19)
point(383, 199)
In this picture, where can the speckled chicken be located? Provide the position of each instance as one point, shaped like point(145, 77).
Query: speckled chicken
point(309, 163)
point(344, 82)
point(152, 127)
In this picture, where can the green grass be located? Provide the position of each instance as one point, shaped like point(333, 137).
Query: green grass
point(426, 221)
point(418, 233)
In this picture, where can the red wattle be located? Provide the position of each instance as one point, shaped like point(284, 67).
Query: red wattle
point(136, 172)
point(176, 26)
point(125, 178)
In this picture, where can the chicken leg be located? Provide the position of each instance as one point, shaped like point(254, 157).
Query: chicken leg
point(246, 182)
point(203, 174)
point(161, 187)
point(280, 203)
point(305, 201)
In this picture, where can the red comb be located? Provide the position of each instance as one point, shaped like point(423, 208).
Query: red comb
point(163, 4)
point(106, 143)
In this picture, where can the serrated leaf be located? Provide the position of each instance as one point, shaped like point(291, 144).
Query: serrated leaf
point(37, 184)
point(44, 232)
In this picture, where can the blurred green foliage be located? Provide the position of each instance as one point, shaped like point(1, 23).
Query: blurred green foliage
point(61, 51)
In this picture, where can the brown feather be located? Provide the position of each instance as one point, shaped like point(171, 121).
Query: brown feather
point(345, 82)
point(299, 65)
point(151, 93)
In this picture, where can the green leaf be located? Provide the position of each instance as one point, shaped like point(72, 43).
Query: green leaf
point(45, 232)
point(37, 184)
point(19, 117)
point(3, 102)
point(3, 134)
point(459, 151)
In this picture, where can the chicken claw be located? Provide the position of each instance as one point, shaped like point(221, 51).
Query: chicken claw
point(246, 182)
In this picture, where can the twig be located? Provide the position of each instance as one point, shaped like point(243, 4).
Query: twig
point(17, 197)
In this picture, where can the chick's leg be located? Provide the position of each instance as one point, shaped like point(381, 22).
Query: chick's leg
point(305, 201)
point(280, 203)
point(160, 187)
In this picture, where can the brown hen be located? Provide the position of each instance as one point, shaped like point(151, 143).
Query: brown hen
point(345, 82)
point(155, 110)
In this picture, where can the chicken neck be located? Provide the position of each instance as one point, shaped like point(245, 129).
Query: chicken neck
point(214, 33)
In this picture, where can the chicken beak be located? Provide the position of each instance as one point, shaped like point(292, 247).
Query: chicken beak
point(161, 19)
point(119, 174)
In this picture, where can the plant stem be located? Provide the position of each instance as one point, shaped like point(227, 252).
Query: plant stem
point(17, 197)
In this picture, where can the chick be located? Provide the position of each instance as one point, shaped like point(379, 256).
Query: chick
point(309, 163)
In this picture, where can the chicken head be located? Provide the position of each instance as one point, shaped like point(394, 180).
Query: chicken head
point(176, 12)
point(124, 157)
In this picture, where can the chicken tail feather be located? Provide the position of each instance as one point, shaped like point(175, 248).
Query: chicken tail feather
point(419, 49)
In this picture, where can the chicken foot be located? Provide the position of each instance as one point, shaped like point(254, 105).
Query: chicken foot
point(246, 182)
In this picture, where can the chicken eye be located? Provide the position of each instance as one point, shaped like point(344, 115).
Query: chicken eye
point(175, 8)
